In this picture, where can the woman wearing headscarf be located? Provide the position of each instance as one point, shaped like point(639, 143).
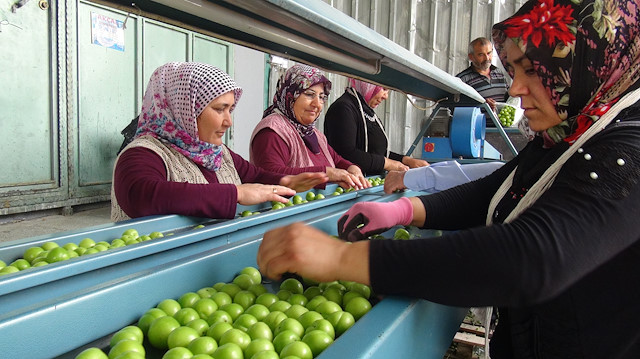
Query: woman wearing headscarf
point(554, 233)
point(177, 163)
point(286, 139)
point(354, 130)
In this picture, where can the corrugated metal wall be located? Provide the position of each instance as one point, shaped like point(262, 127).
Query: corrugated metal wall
point(437, 30)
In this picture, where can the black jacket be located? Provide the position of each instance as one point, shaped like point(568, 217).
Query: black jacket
point(344, 128)
point(563, 273)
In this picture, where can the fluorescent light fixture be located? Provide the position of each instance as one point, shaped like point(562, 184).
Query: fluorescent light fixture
point(232, 19)
point(313, 32)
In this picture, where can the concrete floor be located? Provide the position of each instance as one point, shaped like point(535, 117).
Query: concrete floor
point(36, 224)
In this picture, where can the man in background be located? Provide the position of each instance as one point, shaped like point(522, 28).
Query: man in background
point(485, 78)
point(490, 82)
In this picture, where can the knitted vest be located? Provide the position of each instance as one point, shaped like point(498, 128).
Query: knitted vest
point(179, 169)
point(299, 155)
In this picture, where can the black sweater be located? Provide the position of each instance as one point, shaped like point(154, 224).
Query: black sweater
point(344, 128)
point(564, 274)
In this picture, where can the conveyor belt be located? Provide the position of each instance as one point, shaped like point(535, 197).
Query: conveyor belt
point(34, 285)
point(395, 327)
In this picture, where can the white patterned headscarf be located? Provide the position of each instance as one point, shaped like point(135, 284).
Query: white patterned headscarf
point(176, 95)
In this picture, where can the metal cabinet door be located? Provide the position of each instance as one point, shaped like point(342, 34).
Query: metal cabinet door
point(162, 43)
point(106, 99)
point(214, 52)
point(28, 113)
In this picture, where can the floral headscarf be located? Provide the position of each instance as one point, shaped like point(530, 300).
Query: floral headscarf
point(176, 95)
point(296, 80)
point(595, 43)
point(366, 89)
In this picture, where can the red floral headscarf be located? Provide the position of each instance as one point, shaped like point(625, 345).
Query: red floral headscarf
point(594, 43)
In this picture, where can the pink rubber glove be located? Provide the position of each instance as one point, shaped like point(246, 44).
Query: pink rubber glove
point(377, 217)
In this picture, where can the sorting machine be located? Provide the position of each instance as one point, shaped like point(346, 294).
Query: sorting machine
point(181, 239)
point(64, 307)
point(463, 136)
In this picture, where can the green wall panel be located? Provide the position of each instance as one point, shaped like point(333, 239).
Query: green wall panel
point(212, 52)
point(28, 122)
point(162, 44)
point(107, 96)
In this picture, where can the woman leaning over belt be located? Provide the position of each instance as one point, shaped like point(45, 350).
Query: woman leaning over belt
point(354, 130)
point(286, 140)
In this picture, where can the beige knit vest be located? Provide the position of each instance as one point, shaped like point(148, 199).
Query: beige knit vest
point(299, 154)
point(179, 169)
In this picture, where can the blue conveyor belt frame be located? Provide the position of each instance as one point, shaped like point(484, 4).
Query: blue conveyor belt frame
point(36, 284)
point(395, 327)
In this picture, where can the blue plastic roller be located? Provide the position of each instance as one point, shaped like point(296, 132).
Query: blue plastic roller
point(467, 132)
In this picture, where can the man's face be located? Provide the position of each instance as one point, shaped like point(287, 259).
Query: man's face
point(481, 56)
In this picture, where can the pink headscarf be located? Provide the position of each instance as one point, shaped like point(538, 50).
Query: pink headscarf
point(176, 95)
point(367, 90)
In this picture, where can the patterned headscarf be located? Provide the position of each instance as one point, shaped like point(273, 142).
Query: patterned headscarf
point(176, 95)
point(595, 43)
point(367, 90)
point(295, 81)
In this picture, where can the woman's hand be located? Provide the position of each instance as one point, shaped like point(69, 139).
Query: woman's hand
point(368, 218)
point(361, 181)
point(393, 165)
point(414, 162)
point(393, 181)
point(304, 181)
point(312, 254)
point(343, 178)
point(254, 193)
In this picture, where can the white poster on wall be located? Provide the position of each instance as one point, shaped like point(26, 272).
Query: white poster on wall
point(107, 32)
